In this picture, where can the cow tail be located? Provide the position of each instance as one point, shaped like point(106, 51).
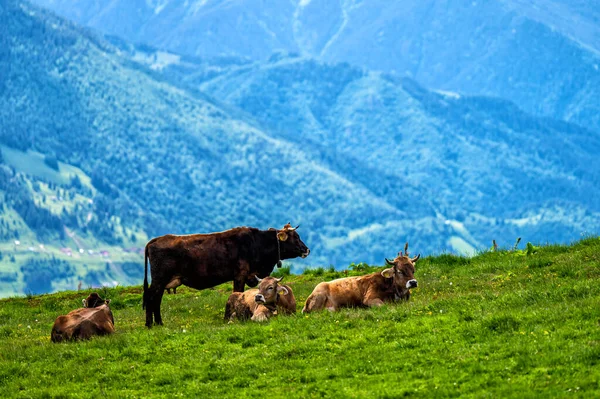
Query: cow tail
point(145, 277)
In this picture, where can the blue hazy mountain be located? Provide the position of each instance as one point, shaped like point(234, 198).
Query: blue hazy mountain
point(131, 142)
point(138, 155)
point(543, 55)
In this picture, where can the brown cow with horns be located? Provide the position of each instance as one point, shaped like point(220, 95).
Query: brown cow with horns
point(371, 290)
point(204, 260)
point(95, 318)
point(261, 303)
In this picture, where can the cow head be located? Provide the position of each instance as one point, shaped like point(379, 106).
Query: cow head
point(402, 272)
point(268, 289)
point(94, 300)
point(290, 244)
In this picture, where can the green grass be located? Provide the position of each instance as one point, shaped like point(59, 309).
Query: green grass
point(32, 163)
point(501, 324)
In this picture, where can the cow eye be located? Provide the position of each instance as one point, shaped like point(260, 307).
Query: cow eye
point(271, 288)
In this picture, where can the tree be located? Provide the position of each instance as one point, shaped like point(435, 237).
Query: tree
point(51, 161)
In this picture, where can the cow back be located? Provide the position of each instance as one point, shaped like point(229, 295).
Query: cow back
point(83, 324)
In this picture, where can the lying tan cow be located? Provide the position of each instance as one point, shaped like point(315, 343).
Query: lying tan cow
point(371, 290)
point(95, 318)
point(259, 304)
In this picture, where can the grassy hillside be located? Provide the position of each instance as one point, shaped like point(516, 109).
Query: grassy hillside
point(501, 324)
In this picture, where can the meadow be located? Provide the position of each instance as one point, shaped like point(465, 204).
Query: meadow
point(522, 323)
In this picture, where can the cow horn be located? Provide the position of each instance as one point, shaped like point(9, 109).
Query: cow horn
point(406, 249)
point(416, 258)
point(295, 228)
point(279, 279)
point(388, 262)
point(258, 279)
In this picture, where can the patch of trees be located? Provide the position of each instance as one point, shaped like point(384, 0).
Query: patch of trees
point(133, 270)
point(38, 274)
point(40, 220)
point(95, 278)
point(8, 277)
point(103, 185)
point(51, 162)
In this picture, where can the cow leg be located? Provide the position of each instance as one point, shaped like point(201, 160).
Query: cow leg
point(240, 276)
point(315, 302)
point(154, 298)
point(149, 307)
point(156, 308)
point(373, 302)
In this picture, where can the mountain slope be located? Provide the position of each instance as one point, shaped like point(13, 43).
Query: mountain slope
point(544, 56)
point(362, 160)
point(479, 165)
point(163, 159)
point(457, 158)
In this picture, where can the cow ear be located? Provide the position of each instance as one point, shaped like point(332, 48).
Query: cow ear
point(84, 302)
point(388, 273)
point(107, 301)
point(281, 288)
point(282, 236)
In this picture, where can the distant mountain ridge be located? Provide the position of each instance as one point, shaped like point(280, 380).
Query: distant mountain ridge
point(164, 143)
point(159, 158)
point(543, 55)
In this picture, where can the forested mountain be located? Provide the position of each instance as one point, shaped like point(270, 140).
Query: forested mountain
point(159, 158)
point(543, 55)
point(105, 144)
point(477, 160)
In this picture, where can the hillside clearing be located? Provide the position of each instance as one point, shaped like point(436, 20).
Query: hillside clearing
point(501, 324)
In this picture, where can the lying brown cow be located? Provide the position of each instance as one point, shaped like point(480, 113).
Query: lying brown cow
point(95, 318)
point(259, 304)
point(371, 290)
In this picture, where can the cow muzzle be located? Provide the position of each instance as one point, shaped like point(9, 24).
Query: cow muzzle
point(411, 284)
point(259, 298)
point(305, 254)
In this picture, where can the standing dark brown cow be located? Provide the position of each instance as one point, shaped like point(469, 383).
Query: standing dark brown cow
point(204, 260)
point(95, 318)
point(371, 290)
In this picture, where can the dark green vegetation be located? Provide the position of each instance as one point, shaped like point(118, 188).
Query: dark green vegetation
point(501, 324)
point(105, 144)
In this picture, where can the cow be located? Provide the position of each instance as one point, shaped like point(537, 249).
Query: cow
point(260, 304)
point(95, 318)
point(205, 260)
point(371, 290)
point(173, 284)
